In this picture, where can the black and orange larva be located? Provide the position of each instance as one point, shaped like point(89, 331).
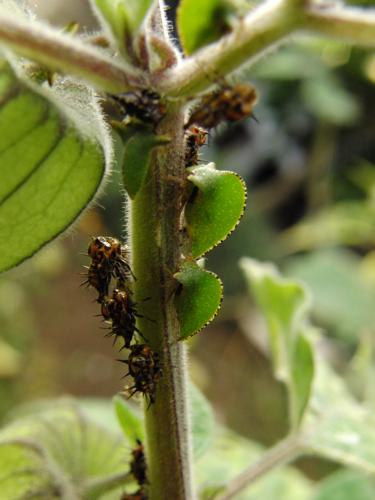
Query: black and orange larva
point(195, 137)
point(121, 311)
point(227, 104)
point(145, 369)
point(143, 105)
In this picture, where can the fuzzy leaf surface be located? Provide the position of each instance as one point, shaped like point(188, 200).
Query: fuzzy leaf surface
point(199, 299)
point(56, 452)
point(52, 162)
point(214, 208)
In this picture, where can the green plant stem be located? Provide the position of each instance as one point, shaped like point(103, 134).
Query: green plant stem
point(64, 53)
point(155, 240)
point(282, 453)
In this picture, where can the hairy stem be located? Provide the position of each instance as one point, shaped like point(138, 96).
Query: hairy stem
point(64, 53)
point(285, 451)
point(155, 239)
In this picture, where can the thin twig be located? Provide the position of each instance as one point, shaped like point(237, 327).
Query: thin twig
point(283, 452)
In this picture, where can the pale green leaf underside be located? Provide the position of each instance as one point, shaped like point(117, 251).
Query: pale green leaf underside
point(284, 304)
point(48, 171)
point(215, 208)
point(334, 424)
point(199, 298)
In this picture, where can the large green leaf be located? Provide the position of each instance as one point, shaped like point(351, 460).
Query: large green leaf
point(58, 452)
point(284, 304)
point(214, 208)
point(200, 23)
point(54, 148)
point(198, 300)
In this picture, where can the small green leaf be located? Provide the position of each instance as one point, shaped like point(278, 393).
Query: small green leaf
point(285, 304)
point(123, 18)
point(130, 422)
point(198, 300)
point(50, 170)
point(137, 155)
point(214, 208)
point(200, 23)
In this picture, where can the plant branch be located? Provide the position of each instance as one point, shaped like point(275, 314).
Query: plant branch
point(282, 453)
point(263, 29)
point(64, 53)
point(354, 25)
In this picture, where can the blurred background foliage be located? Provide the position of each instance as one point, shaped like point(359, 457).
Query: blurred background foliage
point(308, 160)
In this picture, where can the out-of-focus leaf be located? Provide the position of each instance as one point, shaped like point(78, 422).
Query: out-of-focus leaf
point(345, 485)
point(199, 299)
point(130, 422)
point(203, 422)
point(229, 455)
point(284, 304)
point(214, 208)
point(52, 162)
point(348, 223)
point(343, 299)
point(334, 425)
point(288, 64)
point(329, 101)
point(200, 23)
point(57, 451)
